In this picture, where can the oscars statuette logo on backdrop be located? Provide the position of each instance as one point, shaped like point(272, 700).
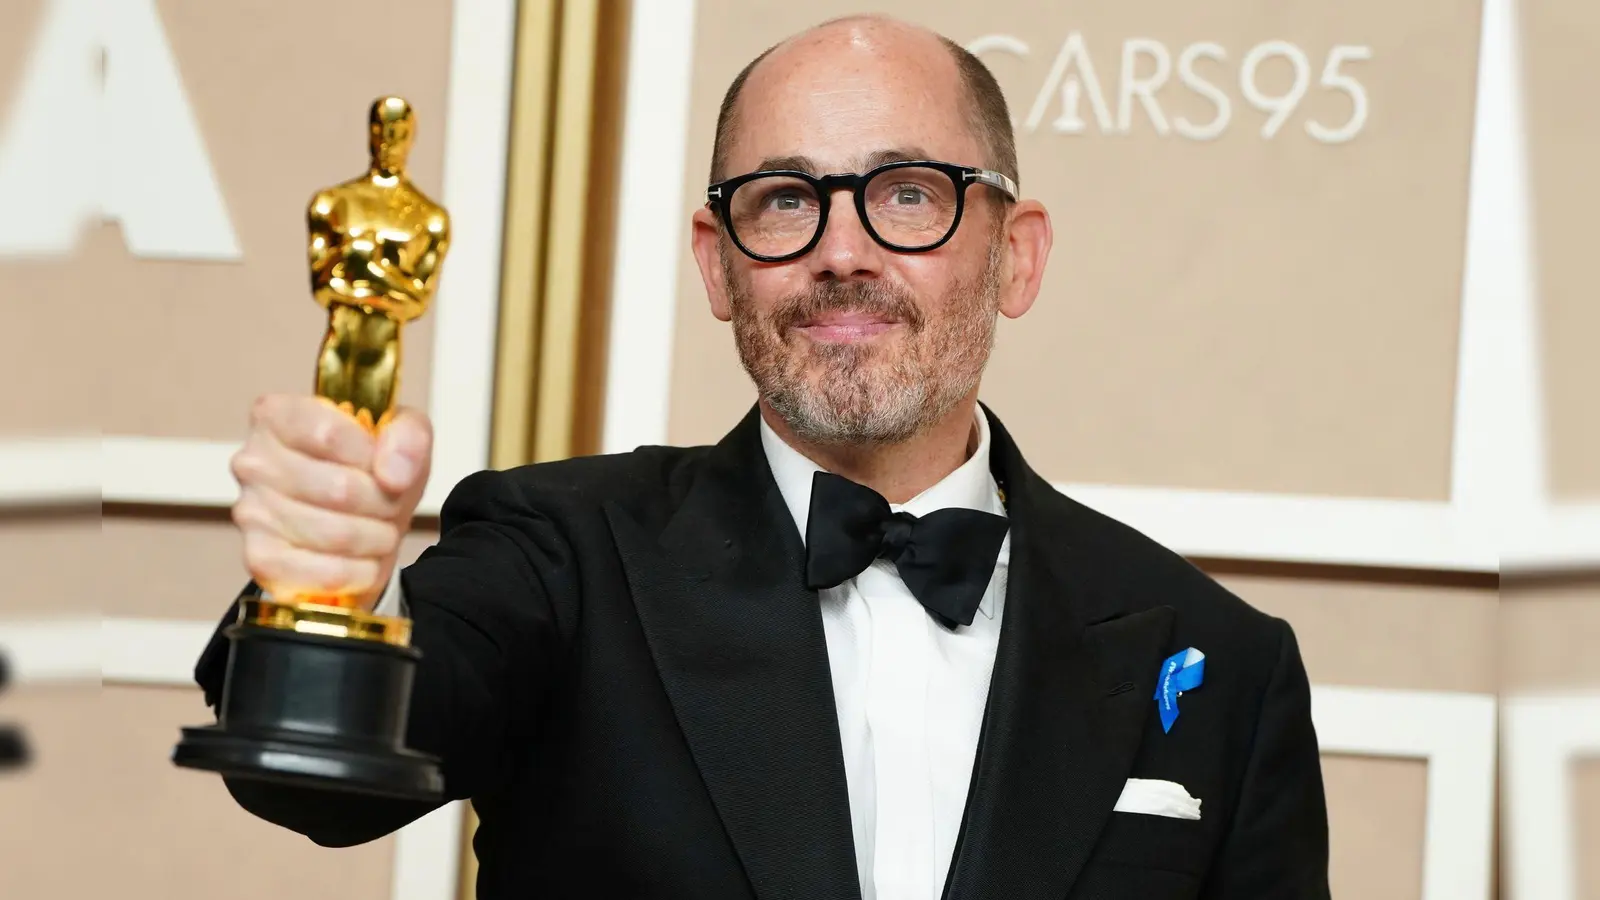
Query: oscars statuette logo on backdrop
point(318, 691)
point(1204, 68)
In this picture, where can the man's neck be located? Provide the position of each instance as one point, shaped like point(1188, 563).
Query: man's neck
point(897, 471)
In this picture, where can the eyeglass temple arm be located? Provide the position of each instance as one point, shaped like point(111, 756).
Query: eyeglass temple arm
point(993, 179)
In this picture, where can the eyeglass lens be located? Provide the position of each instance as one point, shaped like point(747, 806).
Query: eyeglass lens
point(911, 207)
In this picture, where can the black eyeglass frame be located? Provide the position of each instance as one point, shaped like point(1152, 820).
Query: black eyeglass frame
point(719, 197)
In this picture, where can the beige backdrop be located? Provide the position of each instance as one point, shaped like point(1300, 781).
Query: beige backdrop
point(1550, 628)
point(1564, 123)
point(1548, 631)
point(1267, 315)
point(36, 301)
point(281, 116)
point(175, 349)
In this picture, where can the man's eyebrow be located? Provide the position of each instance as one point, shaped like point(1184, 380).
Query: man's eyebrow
point(790, 163)
point(897, 154)
point(873, 160)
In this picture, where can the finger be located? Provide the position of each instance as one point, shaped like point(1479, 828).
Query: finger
point(313, 528)
point(404, 452)
point(284, 569)
point(266, 462)
point(315, 427)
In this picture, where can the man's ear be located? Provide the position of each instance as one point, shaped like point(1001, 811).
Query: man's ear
point(1028, 235)
point(706, 239)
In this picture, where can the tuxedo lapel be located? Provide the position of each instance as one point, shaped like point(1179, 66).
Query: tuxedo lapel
point(738, 641)
point(1068, 701)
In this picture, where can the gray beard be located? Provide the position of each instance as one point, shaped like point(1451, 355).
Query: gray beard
point(854, 402)
point(859, 409)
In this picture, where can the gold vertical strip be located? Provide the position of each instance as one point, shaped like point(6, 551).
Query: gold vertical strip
point(523, 252)
point(599, 248)
point(521, 274)
point(553, 259)
point(566, 231)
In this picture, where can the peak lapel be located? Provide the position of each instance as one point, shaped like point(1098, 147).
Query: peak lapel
point(739, 644)
point(1061, 729)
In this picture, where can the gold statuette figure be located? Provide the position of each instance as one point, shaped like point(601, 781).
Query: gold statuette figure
point(318, 690)
point(376, 246)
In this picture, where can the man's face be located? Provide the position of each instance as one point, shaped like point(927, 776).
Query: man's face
point(852, 342)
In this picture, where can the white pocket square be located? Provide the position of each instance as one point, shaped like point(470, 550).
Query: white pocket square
point(1153, 797)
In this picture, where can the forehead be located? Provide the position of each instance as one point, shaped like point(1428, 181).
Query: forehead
point(841, 99)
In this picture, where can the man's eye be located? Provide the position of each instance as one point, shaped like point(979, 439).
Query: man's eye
point(787, 201)
point(909, 195)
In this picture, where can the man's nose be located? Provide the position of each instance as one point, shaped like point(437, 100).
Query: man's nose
point(845, 250)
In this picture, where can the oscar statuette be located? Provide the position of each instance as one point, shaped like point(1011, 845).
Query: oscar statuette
point(318, 690)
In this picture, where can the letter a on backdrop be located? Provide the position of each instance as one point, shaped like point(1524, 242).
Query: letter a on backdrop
point(102, 128)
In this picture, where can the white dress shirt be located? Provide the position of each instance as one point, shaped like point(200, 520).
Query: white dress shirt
point(910, 694)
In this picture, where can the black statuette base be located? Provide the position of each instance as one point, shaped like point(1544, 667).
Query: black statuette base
point(314, 711)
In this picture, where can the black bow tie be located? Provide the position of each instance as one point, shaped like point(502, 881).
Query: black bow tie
point(945, 558)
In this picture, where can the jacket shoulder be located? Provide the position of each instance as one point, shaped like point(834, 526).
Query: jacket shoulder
point(649, 476)
point(1147, 574)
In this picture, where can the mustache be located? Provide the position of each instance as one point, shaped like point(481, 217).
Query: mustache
point(871, 297)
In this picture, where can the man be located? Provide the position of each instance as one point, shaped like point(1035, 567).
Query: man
point(718, 673)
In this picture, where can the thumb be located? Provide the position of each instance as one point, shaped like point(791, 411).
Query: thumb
point(404, 452)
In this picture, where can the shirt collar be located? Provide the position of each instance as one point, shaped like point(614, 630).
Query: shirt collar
point(970, 486)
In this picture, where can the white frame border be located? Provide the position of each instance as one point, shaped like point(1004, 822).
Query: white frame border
point(1545, 735)
point(42, 470)
point(1455, 734)
point(1498, 507)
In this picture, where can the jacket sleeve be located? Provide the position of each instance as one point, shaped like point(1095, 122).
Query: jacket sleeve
point(483, 601)
point(1277, 843)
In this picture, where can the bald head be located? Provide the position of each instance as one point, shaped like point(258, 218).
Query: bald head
point(922, 59)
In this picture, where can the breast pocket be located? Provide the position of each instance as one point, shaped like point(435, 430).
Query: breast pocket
point(1155, 842)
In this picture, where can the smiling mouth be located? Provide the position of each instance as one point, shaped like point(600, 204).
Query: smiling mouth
point(844, 328)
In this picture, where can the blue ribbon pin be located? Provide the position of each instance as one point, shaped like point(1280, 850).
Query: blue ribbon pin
point(1182, 671)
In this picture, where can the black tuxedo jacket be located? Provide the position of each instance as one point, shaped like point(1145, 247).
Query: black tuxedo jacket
point(624, 672)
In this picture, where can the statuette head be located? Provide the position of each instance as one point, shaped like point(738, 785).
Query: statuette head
point(391, 128)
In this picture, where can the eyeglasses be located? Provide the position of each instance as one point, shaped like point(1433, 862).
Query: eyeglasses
point(908, 207)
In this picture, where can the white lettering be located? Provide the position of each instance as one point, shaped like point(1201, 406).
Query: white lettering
point(120, 143)
point(1072, 79)
point(1283, 105)
point(1333, 79)
point(47, 167)
point(1186, 74)
point(1070, 86)
point(1144, 88)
